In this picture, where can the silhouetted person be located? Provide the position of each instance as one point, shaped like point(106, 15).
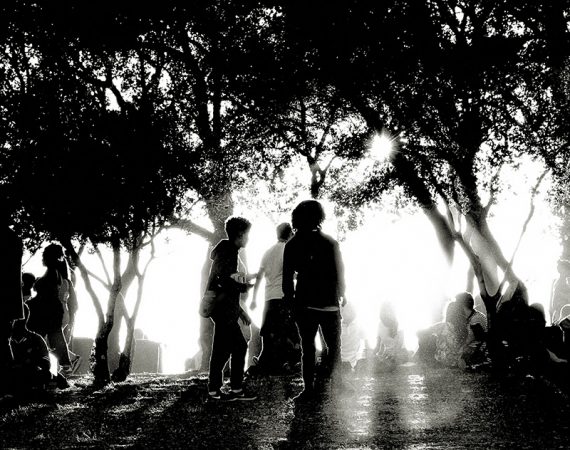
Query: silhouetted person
point(28, 281)
point(278, 332)
point(474, 351)
point(47, 310)
point(315, 259)
point(353, 339)
point(31, 368)
point(68, 299)
point(228, 284)
point(11, 303)
point(390, 350)
point(452, 336)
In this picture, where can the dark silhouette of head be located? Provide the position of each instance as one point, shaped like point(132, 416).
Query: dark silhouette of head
point(236, 227)
point(53, 255)
point(308, 215)
point(284, 232)
point(28, 280)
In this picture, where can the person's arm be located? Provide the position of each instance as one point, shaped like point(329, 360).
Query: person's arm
point(72, 304)
point(288, 285)
point(260, 275)
point(339, 264)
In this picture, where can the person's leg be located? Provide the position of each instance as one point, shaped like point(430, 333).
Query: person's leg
point(219, 355)
point(331, 331)
point(238, 351)
point(267, 355)
point(57, 342)
point(307, 325)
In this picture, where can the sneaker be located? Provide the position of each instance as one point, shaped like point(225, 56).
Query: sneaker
point(215, 395)
point(240, 395)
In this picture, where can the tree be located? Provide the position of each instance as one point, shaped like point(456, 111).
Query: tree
point(449, 90)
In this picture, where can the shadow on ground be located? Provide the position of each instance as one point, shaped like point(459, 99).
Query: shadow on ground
point(413, 407)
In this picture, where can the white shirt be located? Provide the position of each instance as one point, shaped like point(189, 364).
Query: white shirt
point(352, 340)
point(272, 265)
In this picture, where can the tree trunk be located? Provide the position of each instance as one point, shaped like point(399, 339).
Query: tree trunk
point(123, 369)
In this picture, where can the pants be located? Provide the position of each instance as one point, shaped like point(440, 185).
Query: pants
point(228, 343)
point(308, 321)
point(56, 340)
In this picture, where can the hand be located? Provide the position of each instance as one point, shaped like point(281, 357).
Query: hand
point(253, 305)
point(239, 277)
point(343, 301)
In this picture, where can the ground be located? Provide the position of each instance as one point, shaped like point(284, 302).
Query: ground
point(413, 408)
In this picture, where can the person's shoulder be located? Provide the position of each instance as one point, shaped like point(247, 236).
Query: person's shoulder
point(326, 238)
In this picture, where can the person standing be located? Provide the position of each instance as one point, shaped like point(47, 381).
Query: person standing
point(276, 335)
point(315, 259)
point(48, 307)
point(227, 284)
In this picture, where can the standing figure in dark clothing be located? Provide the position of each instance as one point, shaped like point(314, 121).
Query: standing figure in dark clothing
point(227, 284)
point(11, 303)
point(316, 260)
point(48, 307)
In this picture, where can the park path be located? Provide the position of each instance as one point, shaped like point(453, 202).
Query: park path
point(411, 408)
point(422, 408)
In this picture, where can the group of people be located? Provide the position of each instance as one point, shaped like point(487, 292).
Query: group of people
point(304, 286)
point(458, 341)
point(304, 301)
point(35, 325)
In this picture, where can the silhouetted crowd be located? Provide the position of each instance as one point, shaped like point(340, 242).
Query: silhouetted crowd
point(37, 321)
point(308, 327)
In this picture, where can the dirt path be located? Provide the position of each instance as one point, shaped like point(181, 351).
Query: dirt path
point(412, 408)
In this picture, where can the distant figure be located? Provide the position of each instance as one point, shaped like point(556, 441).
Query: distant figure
point(390, 350)
point(228, 284)
point(31, 368)
point(48, 310)
point(560, 294)
point(28, 281)
point(475, 346)
point(451, 338)
point(68, 299)
point(11, 303)
point(278, 332)
point(353, 339)
point(316, 298)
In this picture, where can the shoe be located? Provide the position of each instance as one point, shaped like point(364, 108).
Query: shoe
point(239, 395)
point(215, 395)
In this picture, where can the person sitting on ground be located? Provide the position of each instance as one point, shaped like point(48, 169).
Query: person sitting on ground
point(475, 347)
point(352, 338)
point(390, 350)
point(451, 339)
point(542, 357)
point(31, 368)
